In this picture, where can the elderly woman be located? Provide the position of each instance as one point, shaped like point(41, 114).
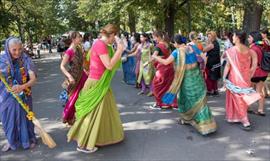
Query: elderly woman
point(19, 71)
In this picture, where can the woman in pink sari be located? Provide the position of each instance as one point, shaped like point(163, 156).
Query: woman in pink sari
point(237, 74)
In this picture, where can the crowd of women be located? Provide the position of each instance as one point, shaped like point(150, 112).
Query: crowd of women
point(179, 73)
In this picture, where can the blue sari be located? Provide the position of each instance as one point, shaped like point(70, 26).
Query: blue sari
point(19, 131)
point(129, 67)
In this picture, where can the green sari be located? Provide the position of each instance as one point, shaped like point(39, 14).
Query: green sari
point(98, 121)
point(192, 102)
point(146, 70)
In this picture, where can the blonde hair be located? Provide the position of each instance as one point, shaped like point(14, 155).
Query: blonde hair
point(213, 34)
point(109, 29)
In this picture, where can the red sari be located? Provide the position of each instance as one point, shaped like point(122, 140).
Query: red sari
point(163, 77)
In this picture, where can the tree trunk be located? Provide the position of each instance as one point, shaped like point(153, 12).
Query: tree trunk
point(170, 12)
point(252, 16)
point(131, 21)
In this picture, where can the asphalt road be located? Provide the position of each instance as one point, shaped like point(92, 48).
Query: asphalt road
point(150, 135)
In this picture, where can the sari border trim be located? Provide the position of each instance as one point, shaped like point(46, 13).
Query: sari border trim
point(204, 128)
point(195, 109)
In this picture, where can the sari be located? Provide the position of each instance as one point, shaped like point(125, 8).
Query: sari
point(164, 76)
point(146, 69)
point(239, 76)
point(192, 102)
point(18, 130)
point(73, 90)
point(98, 121)
point(129, 67)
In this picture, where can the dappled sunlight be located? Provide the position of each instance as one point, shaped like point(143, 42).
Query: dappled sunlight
point(67, 155)
point(136, 125)
point(48, 100)
point(160, 124)
point(133, 113)
point(218, 111)
point(120, 106)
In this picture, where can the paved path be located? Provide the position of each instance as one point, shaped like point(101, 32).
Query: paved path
point(149, 135)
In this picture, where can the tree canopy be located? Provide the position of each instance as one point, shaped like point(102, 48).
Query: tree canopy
point(35, 19)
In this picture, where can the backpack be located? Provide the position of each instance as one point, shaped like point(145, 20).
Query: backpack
point(265, 63)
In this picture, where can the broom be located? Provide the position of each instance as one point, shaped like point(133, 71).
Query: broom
point(46, 138)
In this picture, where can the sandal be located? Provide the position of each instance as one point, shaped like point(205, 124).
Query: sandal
point(246, 128)
point(6, 148)
point(88, 151)
point(257, 113)
point(260, 113)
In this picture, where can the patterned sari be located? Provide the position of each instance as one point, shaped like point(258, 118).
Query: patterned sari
point(77, 72)
point(19, 131)
point(192, 102)
point(146, 68)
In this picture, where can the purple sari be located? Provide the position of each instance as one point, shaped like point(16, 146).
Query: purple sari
point(19, 131)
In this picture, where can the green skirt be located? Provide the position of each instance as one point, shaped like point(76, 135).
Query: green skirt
point(100, 127)
point(192, 103)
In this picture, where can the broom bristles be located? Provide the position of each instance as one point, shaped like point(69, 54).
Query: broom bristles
point(45, 137)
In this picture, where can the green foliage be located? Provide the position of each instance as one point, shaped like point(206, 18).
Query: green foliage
point(35, 19)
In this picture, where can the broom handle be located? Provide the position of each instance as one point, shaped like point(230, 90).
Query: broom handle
point(26, 108)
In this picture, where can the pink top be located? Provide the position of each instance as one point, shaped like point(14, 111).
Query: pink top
point(96, 67)
point(259, 72)
point(70, 53)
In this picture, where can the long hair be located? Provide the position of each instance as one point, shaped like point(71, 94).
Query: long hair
point(162, 35)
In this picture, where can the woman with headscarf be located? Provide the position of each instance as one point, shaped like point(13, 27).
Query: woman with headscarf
point(19, 71)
